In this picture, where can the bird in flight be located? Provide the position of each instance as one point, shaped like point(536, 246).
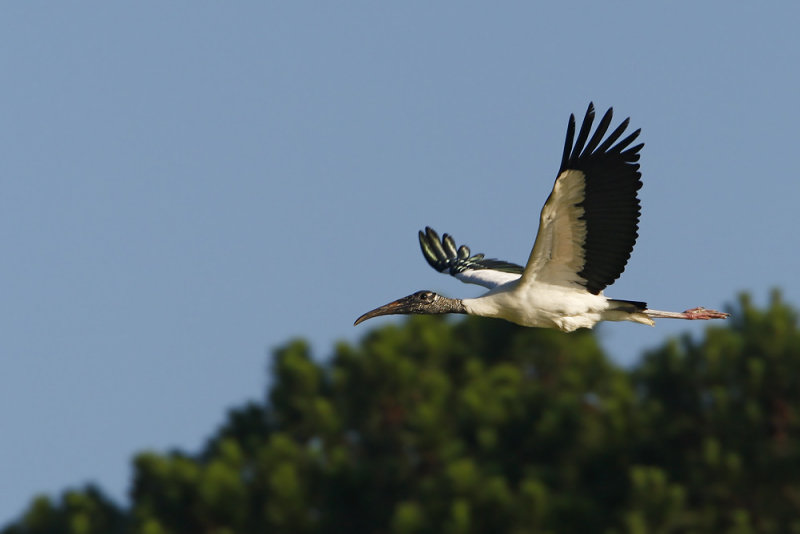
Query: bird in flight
point(587, 230)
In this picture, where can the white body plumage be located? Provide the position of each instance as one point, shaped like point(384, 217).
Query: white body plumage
point(548, 306)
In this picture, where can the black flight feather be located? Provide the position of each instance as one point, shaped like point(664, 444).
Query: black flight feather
point(610, 204)
point(442, 255)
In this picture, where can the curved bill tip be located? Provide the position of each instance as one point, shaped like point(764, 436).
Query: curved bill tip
point(395, 307)
point(360, 320)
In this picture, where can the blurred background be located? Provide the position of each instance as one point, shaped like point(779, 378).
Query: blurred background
point(187, 186)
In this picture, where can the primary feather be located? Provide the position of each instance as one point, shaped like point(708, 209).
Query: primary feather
point(442, 255)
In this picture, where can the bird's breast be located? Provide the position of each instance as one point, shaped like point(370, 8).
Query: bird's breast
point(540, 305)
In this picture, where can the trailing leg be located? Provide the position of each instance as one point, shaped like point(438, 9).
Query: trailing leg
point(694, 314)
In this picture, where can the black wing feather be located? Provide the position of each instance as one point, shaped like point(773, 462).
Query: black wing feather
point(598, 133)
point(613, 136)
point(611, 205)
point(442, 255)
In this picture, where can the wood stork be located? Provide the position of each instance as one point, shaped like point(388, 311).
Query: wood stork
point(587, 229)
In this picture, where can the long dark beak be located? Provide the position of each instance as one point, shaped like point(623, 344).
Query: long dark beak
point(399, 306)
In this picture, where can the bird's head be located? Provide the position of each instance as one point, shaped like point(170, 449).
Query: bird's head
point(421, 302)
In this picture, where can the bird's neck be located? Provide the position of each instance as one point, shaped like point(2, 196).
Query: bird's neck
point(489, 305)
point(448, 305)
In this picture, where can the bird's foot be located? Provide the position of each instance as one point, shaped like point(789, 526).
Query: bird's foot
point(703, 314)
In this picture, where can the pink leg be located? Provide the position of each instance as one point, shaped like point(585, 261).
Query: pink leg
point(694, 314)
point(704, 314)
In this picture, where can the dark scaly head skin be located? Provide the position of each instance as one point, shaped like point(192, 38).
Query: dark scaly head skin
point(422, 302)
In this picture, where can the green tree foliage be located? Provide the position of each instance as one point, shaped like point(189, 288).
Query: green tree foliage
point(78, 512)
point(470, 426)
point(723, 422)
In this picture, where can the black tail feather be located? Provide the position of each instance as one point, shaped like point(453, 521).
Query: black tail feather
point(628, 305)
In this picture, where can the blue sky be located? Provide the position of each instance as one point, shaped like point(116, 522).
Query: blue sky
point(186, 186)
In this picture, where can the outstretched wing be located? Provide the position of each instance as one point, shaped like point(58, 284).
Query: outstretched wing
point(443, 256)
point(589, 224)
